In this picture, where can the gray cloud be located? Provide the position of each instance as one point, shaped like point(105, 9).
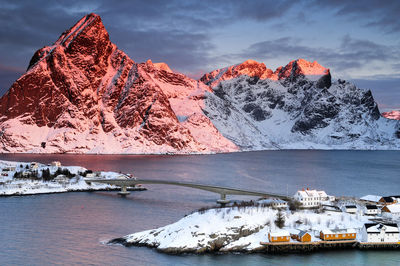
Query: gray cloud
point(351, 54)
point(372, 13)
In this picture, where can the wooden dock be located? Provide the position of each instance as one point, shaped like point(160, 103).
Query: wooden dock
point(293, 247)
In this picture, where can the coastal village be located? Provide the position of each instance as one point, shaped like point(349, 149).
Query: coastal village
point(312, 219)
point(381, 229)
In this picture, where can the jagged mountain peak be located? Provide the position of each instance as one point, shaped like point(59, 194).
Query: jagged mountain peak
point(312, 70)
point(159, 66)
point(252, 68)
point(84, 95)
point(88, 35)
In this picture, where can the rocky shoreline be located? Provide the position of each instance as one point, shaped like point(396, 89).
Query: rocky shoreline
point(283, 248)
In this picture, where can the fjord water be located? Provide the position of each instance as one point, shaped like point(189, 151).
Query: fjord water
point(71, 228)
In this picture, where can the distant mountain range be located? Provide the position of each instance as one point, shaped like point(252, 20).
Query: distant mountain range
point(84, 95)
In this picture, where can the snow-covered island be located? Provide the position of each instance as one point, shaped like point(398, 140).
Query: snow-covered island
point(27, 178)
point(257, 227)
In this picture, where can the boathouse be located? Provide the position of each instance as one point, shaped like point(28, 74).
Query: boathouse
point(279, 236)
point(380, 232)
point(301, 236)
point(337, 235)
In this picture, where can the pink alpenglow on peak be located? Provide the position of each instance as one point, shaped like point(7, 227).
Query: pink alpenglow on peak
point(84, 95)
point(252, 68)
point(297, 67)
point(395, 114)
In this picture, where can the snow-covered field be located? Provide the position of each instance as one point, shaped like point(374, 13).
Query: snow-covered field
point(27, 186)
point(238, 229)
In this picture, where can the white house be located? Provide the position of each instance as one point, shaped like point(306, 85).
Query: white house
point(371, 210)
point(62, 179)
point(311, 198)
point(350, 208)
point(275, 203)
point(380, 232)
point(391, 211)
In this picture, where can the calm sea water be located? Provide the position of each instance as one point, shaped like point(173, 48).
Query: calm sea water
point(70, 228)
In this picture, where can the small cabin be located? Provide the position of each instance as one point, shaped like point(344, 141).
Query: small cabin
point(371, 209)
point(279, 236)
point(380, 232)
point(350, 209)
point(56, 163)
point(90, 175)
point(337, 235)
point(62, 179)
point(274, 203)
point(301, 236)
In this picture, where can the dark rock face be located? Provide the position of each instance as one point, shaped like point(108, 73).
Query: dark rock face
point(324, 82)
point(368, 101)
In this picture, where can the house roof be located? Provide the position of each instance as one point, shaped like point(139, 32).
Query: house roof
point(388, 199)
point(377, 227)
point(338, 231)
point(371, 207)
point(312, 193)
point(394, 208)
point(351, 207)
point(272, 201)
point(279, 233)
point(302, 233)
point(373, 198)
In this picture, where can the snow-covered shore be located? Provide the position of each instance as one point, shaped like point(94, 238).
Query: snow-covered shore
point(10, 185)
point(236, 229)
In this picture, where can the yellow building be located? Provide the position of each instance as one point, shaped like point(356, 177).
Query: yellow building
point(302, 236)
point(337, 235)
point(279, 236)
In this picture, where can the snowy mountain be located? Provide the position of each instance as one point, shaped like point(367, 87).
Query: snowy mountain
point(84, 95)
point(296, 106)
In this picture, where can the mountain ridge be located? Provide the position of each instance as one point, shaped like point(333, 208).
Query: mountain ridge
point(84, 95)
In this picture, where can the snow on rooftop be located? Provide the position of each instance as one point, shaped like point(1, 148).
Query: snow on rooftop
point(373, 198)
point(279, 233)
point(394, 208)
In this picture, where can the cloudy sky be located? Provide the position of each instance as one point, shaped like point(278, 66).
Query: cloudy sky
point(357, 40)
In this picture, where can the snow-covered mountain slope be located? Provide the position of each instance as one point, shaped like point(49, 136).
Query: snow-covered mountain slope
point(84, 95)
point(297, 106)
point(395, 114)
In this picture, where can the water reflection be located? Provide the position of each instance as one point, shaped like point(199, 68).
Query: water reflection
point(69, 228)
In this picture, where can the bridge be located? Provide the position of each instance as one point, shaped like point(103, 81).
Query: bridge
point(124, 183)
